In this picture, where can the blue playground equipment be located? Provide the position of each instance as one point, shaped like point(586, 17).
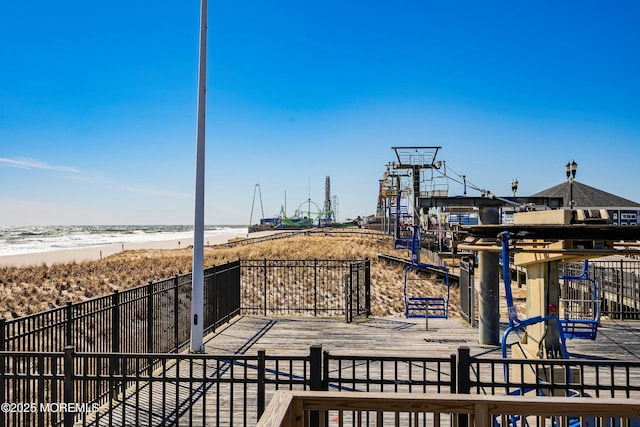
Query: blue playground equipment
point(421, 306)
point(580, 306)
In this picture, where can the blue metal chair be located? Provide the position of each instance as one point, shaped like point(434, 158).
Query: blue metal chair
point(422, 306)
point(580, 306)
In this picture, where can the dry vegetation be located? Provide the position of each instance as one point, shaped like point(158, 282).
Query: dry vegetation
point(26, 290)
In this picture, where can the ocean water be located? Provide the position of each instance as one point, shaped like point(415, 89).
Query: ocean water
point(34, 239)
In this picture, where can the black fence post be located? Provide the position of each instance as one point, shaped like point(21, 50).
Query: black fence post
point(464, 380)
point(69, 324)
point(315, 287)
point(367, 286)
point(3, 397)
point(261, 382)
point(325, 371)
point(464, 369)
point(115, 322)
point(265, 286)
point(206, 298)
point(114, 361)
point(346, 298)
point(69, 416)
point(150, 317)
point(227, 291)
point(315, 379)
point(453, 368)
point(621, 292)
point(176, 317)
point(41, 383)
point(3, 336)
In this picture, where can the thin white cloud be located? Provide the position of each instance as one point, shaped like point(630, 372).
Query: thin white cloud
point(156, 192)
point(25, 163)
point(80, 175)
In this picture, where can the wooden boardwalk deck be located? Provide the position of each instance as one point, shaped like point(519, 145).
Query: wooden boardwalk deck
point(197, 404)
point(615, 340)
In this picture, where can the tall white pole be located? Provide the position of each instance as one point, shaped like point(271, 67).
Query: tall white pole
point(197, 284)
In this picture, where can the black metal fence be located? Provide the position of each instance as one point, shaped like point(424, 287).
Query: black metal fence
point(66, 388)
point(558, 377)
point(357, 291)
point(155, 318)
point(618, 286)
point(305, 287)
point(467, 291)
point(389, 373)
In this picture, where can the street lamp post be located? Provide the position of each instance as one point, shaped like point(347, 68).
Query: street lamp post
point(197, 274)
point(571, 169)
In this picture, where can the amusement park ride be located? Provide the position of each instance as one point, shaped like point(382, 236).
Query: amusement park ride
point(539, 241)
point(308, 214)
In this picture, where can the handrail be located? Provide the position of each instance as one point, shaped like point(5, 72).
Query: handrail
point(293, 408)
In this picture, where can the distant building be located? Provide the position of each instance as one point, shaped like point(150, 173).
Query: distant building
point(621, 211)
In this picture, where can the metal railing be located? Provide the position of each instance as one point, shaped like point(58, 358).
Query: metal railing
point(233, 389)
point(155, 318)
point(357, 291)
point(571, 377)
point(55, 389)
point(304, 287)
point(389, 373)
point(618, 286)
point(467, 291)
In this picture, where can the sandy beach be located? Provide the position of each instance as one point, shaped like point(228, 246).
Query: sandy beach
point(99, 252)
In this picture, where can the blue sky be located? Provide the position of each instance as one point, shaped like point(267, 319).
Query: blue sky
point(98, 102)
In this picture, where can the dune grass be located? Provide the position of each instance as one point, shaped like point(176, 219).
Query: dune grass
point(31, 289)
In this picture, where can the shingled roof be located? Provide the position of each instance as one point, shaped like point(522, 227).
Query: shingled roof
point(586, 196)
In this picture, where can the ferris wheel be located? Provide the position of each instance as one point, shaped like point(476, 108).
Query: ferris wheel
point(304, 210)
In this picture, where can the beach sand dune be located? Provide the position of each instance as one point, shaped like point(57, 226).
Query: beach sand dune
point(26, 289)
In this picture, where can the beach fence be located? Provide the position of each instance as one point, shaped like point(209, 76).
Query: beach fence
point(78, 378)
point(306, 288)
point(155, 318)
point(71, 388)
point(125, 337)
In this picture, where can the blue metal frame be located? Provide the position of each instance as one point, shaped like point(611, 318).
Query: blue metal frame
point(516, 324)
point(433, 307)
point(401, 242)
point(583, 328)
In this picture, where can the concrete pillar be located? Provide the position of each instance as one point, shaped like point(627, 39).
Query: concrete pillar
point(543, 291)
point(489, 296)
